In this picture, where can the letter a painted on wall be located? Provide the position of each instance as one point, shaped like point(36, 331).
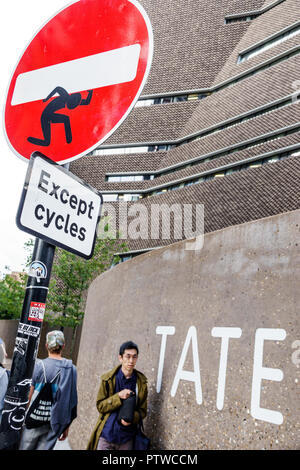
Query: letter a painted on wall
point(78, 79)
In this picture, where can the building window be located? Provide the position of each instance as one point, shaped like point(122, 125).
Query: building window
point(127, 178)
point(171, 99)
point(159, 148)
point(269, 43)
point(115, 197)
point(131, 197)
point(200, 179)
point(192, 97)
point(128, 150)
point(119, 151)
point(110, 197)
point(142, 103)
point(240, 19)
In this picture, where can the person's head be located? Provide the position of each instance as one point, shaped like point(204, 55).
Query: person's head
point(73, 100)
point(128, 355)
point(55, 341)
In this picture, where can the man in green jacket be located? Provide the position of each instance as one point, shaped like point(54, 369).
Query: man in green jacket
point(117, 385)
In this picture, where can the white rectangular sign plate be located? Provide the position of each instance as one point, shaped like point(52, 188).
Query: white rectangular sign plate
point(58, 207)
point(95, 71)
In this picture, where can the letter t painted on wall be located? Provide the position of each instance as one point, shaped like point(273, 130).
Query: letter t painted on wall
point(224, 333)
point(164, 331)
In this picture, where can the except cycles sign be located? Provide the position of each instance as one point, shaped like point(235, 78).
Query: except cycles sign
point(58, 207)
point(78, 79)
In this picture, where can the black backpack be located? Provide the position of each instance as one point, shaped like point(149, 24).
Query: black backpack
point(39, 412)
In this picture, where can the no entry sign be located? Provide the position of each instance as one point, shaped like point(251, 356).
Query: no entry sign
point(78, 79)
point(59, 207)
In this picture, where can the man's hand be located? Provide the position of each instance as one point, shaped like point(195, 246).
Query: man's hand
point(125, 423)
point(64, 435)
point(125, 393)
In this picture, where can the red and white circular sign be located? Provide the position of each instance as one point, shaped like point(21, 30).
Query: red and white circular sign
point(78, 79)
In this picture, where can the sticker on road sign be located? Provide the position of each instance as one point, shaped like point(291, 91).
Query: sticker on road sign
point(59, 208)
point(71, 90)
point(36, 311)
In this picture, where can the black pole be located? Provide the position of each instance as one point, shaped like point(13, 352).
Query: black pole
point(26, 345)
point(67, 166)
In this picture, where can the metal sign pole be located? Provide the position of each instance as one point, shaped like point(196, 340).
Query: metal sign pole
point(26, 345)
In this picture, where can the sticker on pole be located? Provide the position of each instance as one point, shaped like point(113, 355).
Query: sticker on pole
point(38, 270)
point(78, 79)
point(59, 208)
point(36, 311)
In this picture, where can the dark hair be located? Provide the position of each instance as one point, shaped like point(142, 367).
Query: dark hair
point(128, 345)
point(55, 349)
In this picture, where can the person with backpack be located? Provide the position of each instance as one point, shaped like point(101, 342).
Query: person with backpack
point(52, 398)
point(4, 375)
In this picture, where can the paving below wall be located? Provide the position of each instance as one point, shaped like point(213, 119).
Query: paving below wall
point(219, 337)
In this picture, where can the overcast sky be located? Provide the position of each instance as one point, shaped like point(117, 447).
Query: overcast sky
point(19, 22)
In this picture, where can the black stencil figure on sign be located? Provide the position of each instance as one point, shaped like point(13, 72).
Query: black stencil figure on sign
point(49, 115)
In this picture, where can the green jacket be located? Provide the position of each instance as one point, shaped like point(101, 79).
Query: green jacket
point(108, 401)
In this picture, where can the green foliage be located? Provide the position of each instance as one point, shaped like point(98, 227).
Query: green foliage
point(12, 289)
point(71, 277)
point(12, 292)
point(28, 246)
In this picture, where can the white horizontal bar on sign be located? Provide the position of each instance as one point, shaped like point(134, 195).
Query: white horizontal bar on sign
point(87, 73)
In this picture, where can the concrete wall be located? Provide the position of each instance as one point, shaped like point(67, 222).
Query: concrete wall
point(231, 307)
point(8, 332)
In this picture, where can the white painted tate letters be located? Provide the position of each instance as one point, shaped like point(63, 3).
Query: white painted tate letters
point(164, 331)
point(260, 372)
point(193, 376)
point(225, 334)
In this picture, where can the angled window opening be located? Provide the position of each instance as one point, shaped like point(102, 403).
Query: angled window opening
point(268, 44)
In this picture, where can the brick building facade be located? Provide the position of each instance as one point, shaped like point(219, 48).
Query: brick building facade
point(218, 119)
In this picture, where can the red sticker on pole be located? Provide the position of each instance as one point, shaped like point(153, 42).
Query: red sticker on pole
point(78, 79)
point(36, 311)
